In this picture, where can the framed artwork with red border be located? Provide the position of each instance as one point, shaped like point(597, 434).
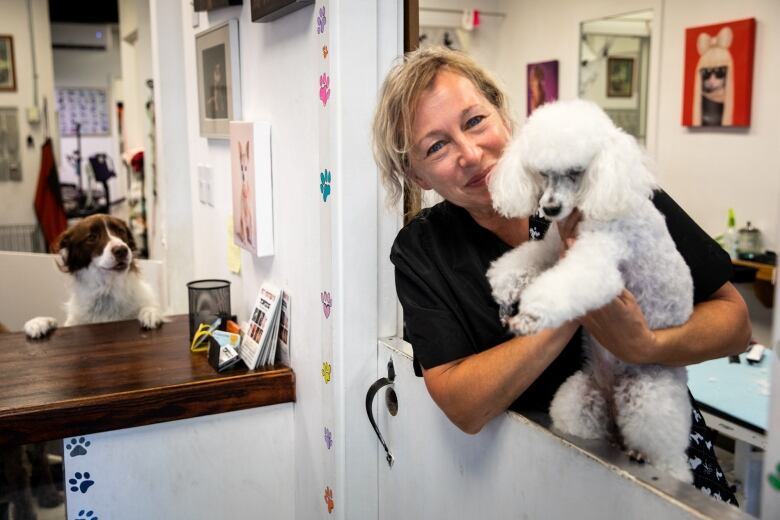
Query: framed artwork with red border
point(718, 74)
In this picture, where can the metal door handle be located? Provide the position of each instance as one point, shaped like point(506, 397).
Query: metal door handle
point(373, 389)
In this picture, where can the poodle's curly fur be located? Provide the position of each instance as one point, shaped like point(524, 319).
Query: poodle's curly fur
point(570, 155)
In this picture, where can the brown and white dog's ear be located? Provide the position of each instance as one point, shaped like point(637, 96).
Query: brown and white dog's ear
point(60, 248)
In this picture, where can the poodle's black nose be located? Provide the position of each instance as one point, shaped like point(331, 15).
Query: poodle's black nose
point(551, 211)
point(120, 252)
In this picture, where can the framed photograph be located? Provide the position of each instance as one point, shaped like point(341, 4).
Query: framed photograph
point(219, 79)
point(270, 10)
point(210, 5)
point(620, 77)
point(542, 84)
point(718, 74)
point(7, 64)
point(250, 166)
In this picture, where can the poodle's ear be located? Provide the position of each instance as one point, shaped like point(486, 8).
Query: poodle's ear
point(514, 190)
point(617, 180)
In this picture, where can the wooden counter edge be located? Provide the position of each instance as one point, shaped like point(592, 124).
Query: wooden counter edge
point(149, 406)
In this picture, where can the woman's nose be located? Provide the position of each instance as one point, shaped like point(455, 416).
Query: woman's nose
point(470, 153)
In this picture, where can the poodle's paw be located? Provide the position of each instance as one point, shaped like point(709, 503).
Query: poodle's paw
point(636, 456)
point(150, 317)
point(507, 284)
point(39, 327)
point(526, 323)
point(506, 311)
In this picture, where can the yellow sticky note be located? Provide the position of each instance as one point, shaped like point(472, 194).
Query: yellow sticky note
point(233, 252)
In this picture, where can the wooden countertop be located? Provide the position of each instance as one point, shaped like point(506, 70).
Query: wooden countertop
point(94, 378)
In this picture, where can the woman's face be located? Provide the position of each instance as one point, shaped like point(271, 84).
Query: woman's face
point(457, 138)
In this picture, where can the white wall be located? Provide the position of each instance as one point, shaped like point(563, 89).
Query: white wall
point(17, 197)
point(705, 171)
point(95, 69)
point(278, 85)
point(482, 42)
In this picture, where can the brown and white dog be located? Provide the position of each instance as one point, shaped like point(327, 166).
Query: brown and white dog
point(98, 253)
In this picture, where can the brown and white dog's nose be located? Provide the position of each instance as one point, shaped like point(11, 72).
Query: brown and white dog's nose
point(120, 252)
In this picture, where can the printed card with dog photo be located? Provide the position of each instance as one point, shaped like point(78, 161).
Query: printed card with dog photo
point(250, 164)
point(259, 329)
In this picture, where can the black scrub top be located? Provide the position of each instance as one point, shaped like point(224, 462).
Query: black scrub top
point(441, 258)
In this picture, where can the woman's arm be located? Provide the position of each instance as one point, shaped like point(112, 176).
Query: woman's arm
point(719, 326)
point(473, 390)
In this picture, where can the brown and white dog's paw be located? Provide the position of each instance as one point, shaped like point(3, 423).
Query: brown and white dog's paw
point(39, 327)
point(150, 317)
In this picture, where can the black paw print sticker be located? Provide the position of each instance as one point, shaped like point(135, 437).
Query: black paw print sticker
point(80, 482)
point(77, 447)
point(86, 515)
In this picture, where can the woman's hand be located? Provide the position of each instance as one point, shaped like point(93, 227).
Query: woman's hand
point(621, 328)
point(567, 229)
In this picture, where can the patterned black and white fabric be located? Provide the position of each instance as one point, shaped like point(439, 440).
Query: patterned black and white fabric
point(707, 474)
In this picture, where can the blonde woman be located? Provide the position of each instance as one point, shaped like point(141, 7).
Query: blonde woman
point(441, 124)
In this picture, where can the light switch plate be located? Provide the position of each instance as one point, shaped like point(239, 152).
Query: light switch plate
point(206, 184)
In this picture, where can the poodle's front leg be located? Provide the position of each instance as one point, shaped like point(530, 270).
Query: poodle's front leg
point(585, 279)
point(512, 272)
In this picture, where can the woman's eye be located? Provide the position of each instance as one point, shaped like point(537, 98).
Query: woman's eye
point(435, 147)
point(474, 121)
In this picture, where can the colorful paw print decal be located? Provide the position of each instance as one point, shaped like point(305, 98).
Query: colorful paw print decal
point(324, 88)
point(329, 499)
point(325, 178)
point(327, 303)
point(325, 51)
point(321, 20)
point(328, 438)
point(774, 478)
point(326, 369)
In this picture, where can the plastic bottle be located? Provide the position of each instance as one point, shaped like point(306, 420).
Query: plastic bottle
point(730, 236)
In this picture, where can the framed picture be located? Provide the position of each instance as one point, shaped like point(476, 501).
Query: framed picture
point(542, 84)
point(718, 74)
point(250, 167)
point(270, 10)
point(7, 64)
point(210, 5)
point(620, 77)
point(219, 79)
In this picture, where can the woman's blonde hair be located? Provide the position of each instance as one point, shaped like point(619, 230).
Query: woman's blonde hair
point(406, 81)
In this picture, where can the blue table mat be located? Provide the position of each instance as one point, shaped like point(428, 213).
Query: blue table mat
point(740, 390)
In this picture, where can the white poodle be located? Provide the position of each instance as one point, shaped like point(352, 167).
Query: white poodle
point(570, 155)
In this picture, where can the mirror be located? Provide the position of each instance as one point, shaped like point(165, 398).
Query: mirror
point(614, 67)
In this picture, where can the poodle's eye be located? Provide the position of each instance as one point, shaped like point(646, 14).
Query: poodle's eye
point(574, 173)
point(544, 175)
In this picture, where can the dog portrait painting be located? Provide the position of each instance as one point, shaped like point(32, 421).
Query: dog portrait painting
point(243, 186)
point(98, 254)
point(719, 74)
point(569, 155)
point(252, 189)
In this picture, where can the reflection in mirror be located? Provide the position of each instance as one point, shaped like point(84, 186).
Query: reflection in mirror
point(614, 64)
